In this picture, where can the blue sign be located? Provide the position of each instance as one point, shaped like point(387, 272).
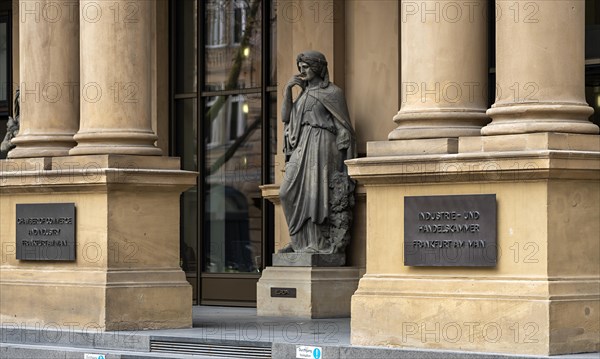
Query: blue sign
point(317, 353)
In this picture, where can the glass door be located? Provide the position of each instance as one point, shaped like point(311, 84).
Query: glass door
point(223, 92)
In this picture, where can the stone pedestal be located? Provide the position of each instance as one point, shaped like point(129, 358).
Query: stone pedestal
point(309, 260)
point(306, 292)
point(543, 295)
point(126, 274)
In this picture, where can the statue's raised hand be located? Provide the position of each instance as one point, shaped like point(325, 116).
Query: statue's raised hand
point(296, 80)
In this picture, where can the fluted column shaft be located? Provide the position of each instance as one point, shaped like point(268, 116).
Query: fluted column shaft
point(444, 69)
point(540, 68)
point(49, 75)
point(116, 78)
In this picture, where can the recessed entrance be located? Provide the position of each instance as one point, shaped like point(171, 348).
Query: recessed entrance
point(223, 125)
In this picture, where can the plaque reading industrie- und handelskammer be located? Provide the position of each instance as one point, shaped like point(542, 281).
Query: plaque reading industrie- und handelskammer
point(456, 230)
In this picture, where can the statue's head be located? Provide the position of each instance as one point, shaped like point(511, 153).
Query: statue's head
point(317, 63)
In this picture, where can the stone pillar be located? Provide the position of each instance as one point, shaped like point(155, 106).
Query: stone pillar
point(124, 273)
point(49, 78)
point(444, 69)
point(116, 78)
point(542, 88)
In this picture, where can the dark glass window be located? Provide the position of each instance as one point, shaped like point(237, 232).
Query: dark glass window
point(5, 67)
point(592, 57)
point(186, 46)
point(491, 53)
point(4, 70)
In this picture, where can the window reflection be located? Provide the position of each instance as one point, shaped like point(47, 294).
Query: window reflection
point(229, 123)
point(239, 21)
point(215, 20)
point(233, 44)
point(233, 175)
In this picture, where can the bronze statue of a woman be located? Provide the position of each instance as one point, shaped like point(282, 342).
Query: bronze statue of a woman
point(316, 194)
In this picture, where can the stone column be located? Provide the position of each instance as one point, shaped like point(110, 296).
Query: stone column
point(116, 78)
point(444, 69)
point(540, 69)
point(49, 78)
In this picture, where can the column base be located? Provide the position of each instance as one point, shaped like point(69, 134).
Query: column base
point(116, 142)
point(438, 123)
point(306, 292)
point(46, 145)
point(539, 117)
point(126, 273)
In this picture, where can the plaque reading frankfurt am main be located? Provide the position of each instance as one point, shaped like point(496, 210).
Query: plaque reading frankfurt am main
point(46, 231)
point(450, 230)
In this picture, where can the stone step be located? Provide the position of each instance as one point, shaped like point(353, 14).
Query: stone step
point(23, 351)
point(30, 343)
point(40, 343)
point(284, 350)
point(66, 337)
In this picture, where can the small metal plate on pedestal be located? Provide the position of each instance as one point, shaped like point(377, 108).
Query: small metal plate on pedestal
point(45, 231)
point(450, 230)
point(283, 292)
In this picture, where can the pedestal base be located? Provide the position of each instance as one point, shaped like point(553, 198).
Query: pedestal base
point(308, 260)
point(542, 297)
point(126, 272)
point(306, 292)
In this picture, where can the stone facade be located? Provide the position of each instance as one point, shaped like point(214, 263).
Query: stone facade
point(416, 78)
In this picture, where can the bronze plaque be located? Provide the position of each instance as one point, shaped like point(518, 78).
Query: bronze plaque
point(46, 231)
point(450, 230)
point(283, 292)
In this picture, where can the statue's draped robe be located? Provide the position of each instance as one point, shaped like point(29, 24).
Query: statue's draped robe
point(319, 124)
